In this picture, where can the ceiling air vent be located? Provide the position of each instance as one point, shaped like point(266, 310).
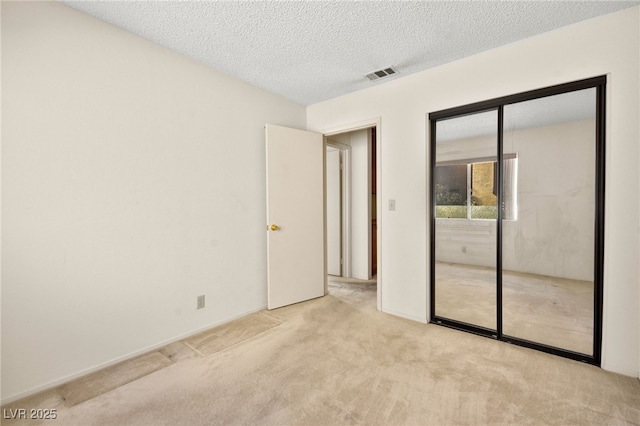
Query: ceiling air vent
point(386, 72)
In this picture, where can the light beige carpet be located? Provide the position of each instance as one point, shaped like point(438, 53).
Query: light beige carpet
point(336, 360)
point(110, 378)
point(212, 341)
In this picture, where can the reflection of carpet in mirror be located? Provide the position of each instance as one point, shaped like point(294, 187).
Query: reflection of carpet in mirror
point(548, 310)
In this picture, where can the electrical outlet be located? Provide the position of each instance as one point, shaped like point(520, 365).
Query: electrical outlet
point(464, 249)
point(392, 205)
point(200, 302)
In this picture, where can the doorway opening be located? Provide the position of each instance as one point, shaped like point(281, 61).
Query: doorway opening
point(351, 206)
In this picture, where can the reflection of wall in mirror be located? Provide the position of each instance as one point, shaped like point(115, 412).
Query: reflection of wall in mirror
point(553, 234)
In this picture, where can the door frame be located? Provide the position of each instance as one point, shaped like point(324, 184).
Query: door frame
point(345, 208)
point(362, 125)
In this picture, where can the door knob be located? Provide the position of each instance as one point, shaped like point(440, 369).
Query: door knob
point(274, 227)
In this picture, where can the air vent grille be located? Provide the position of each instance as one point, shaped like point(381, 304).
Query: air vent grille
point(385, 72)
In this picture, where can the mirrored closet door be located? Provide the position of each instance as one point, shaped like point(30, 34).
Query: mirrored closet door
point(465, 210)
point(548, 242)
point(517, 191)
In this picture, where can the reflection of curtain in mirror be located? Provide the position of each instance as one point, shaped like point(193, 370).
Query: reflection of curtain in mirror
point(509, 197)
point(495, 178)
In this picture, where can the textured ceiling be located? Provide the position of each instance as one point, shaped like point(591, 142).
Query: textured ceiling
point(310, 51)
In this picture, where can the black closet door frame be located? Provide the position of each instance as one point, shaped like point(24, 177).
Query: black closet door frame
point(599, 83)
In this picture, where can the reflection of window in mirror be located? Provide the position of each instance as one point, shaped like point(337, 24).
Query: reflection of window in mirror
point(467, 189)
point(451, 191)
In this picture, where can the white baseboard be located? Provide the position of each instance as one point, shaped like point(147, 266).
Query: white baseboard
point(66, 379)
point(624, 371)
point(405, 316)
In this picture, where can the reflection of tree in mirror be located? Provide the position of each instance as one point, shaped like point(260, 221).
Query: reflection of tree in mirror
point(450, 203)
point(483, 187)
point(449, 197)
point(483, 184)
point(451, 185)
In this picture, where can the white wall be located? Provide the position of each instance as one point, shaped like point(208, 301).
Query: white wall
point(360, 142)
point(605, 45)
point(133, 181)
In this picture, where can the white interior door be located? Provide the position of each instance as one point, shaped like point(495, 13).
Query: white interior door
point(296, 253)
